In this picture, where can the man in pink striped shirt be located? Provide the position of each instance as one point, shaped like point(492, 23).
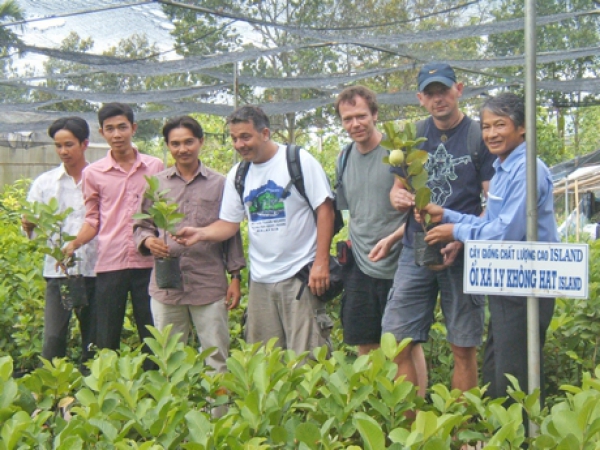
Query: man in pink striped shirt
point(113, 188)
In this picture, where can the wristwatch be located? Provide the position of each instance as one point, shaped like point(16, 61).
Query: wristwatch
point(236, 276)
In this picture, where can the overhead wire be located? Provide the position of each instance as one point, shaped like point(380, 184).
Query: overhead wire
point(75, 13)
point(331, 82)
point(239, 17)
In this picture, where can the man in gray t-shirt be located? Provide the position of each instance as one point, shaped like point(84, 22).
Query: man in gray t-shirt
point(375, 226)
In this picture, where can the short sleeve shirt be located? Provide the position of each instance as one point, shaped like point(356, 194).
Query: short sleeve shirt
point(364, 191)
point(112, 196)
point(282, 231)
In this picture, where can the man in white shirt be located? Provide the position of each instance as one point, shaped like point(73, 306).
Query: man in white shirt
point(285, 234)
point(70, 136)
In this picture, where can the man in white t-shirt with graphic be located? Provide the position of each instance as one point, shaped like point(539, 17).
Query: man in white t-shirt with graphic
point(285, 235)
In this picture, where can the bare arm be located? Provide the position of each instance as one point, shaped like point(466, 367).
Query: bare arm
point(85, 235)
point(155, 246)
point(441, 233)
point(27, 227)
point(445, 234)
point(36, 194)
point(234, 292)
point(218, 231)
point(382, 248)
point(235, 261)
point(145, 234)
point(318, 280)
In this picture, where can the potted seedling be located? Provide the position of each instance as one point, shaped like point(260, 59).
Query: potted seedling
point(49, 234)
point(163, 213)
point(401, 140)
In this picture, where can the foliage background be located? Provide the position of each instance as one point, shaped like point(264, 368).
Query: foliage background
point(571, 349)
point(276, 401)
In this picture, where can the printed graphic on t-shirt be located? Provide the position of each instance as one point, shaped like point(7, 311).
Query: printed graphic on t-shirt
point(266, 209)
point(440, 167)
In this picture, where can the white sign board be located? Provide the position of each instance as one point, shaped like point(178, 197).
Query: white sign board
point(537, 269)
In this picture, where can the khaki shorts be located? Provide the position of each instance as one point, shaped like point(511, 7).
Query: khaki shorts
point(410, 308)
point(273, 312)
point(209, 320)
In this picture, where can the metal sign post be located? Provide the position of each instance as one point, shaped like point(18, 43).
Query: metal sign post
point(533, 329)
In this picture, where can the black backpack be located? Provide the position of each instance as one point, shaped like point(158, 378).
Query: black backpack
point(296, 179)
point(341, 163)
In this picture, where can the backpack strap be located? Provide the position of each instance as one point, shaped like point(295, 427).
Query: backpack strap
point(342, 162)
point(295, 171)
point(421, 131)
point(292, 153)
point(240, 178)
point(474, 144)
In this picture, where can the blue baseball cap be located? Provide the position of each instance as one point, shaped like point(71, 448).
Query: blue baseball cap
point(436, 73)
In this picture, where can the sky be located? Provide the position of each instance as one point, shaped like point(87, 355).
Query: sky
point(106, 28)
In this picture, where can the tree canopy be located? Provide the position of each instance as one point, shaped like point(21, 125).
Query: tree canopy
point(293, 57)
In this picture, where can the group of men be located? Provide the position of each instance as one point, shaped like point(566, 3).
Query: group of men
point(288, 231)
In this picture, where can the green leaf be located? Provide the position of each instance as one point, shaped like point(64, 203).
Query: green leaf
point(387, 143)
point(53, 203)
point(436, 443)
point(107, 428)
point(426, 423)
point(416, 168)
point(199, 427)
point(8, 393)
point(417, 155)
point(370, 431)
point(422, 198)
point(86, 397)
point(420, 181)
point(390, 131)
point(14, 428)
point(389, 346)
point(153, 183)
point(309, 434)
point(399, 435)
point(279, 435)
point(565, 423)
point(411, 130)
point(404, 182)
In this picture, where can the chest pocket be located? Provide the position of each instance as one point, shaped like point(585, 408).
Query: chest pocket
point(200, 213)
point(494, 204)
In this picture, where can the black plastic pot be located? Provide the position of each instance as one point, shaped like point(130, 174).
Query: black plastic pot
point(73, 293)
point(168, 273)
point(425, 254)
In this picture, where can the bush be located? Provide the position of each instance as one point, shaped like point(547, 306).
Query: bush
point(22, 288)
point(21, 284)
point(274, 399)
